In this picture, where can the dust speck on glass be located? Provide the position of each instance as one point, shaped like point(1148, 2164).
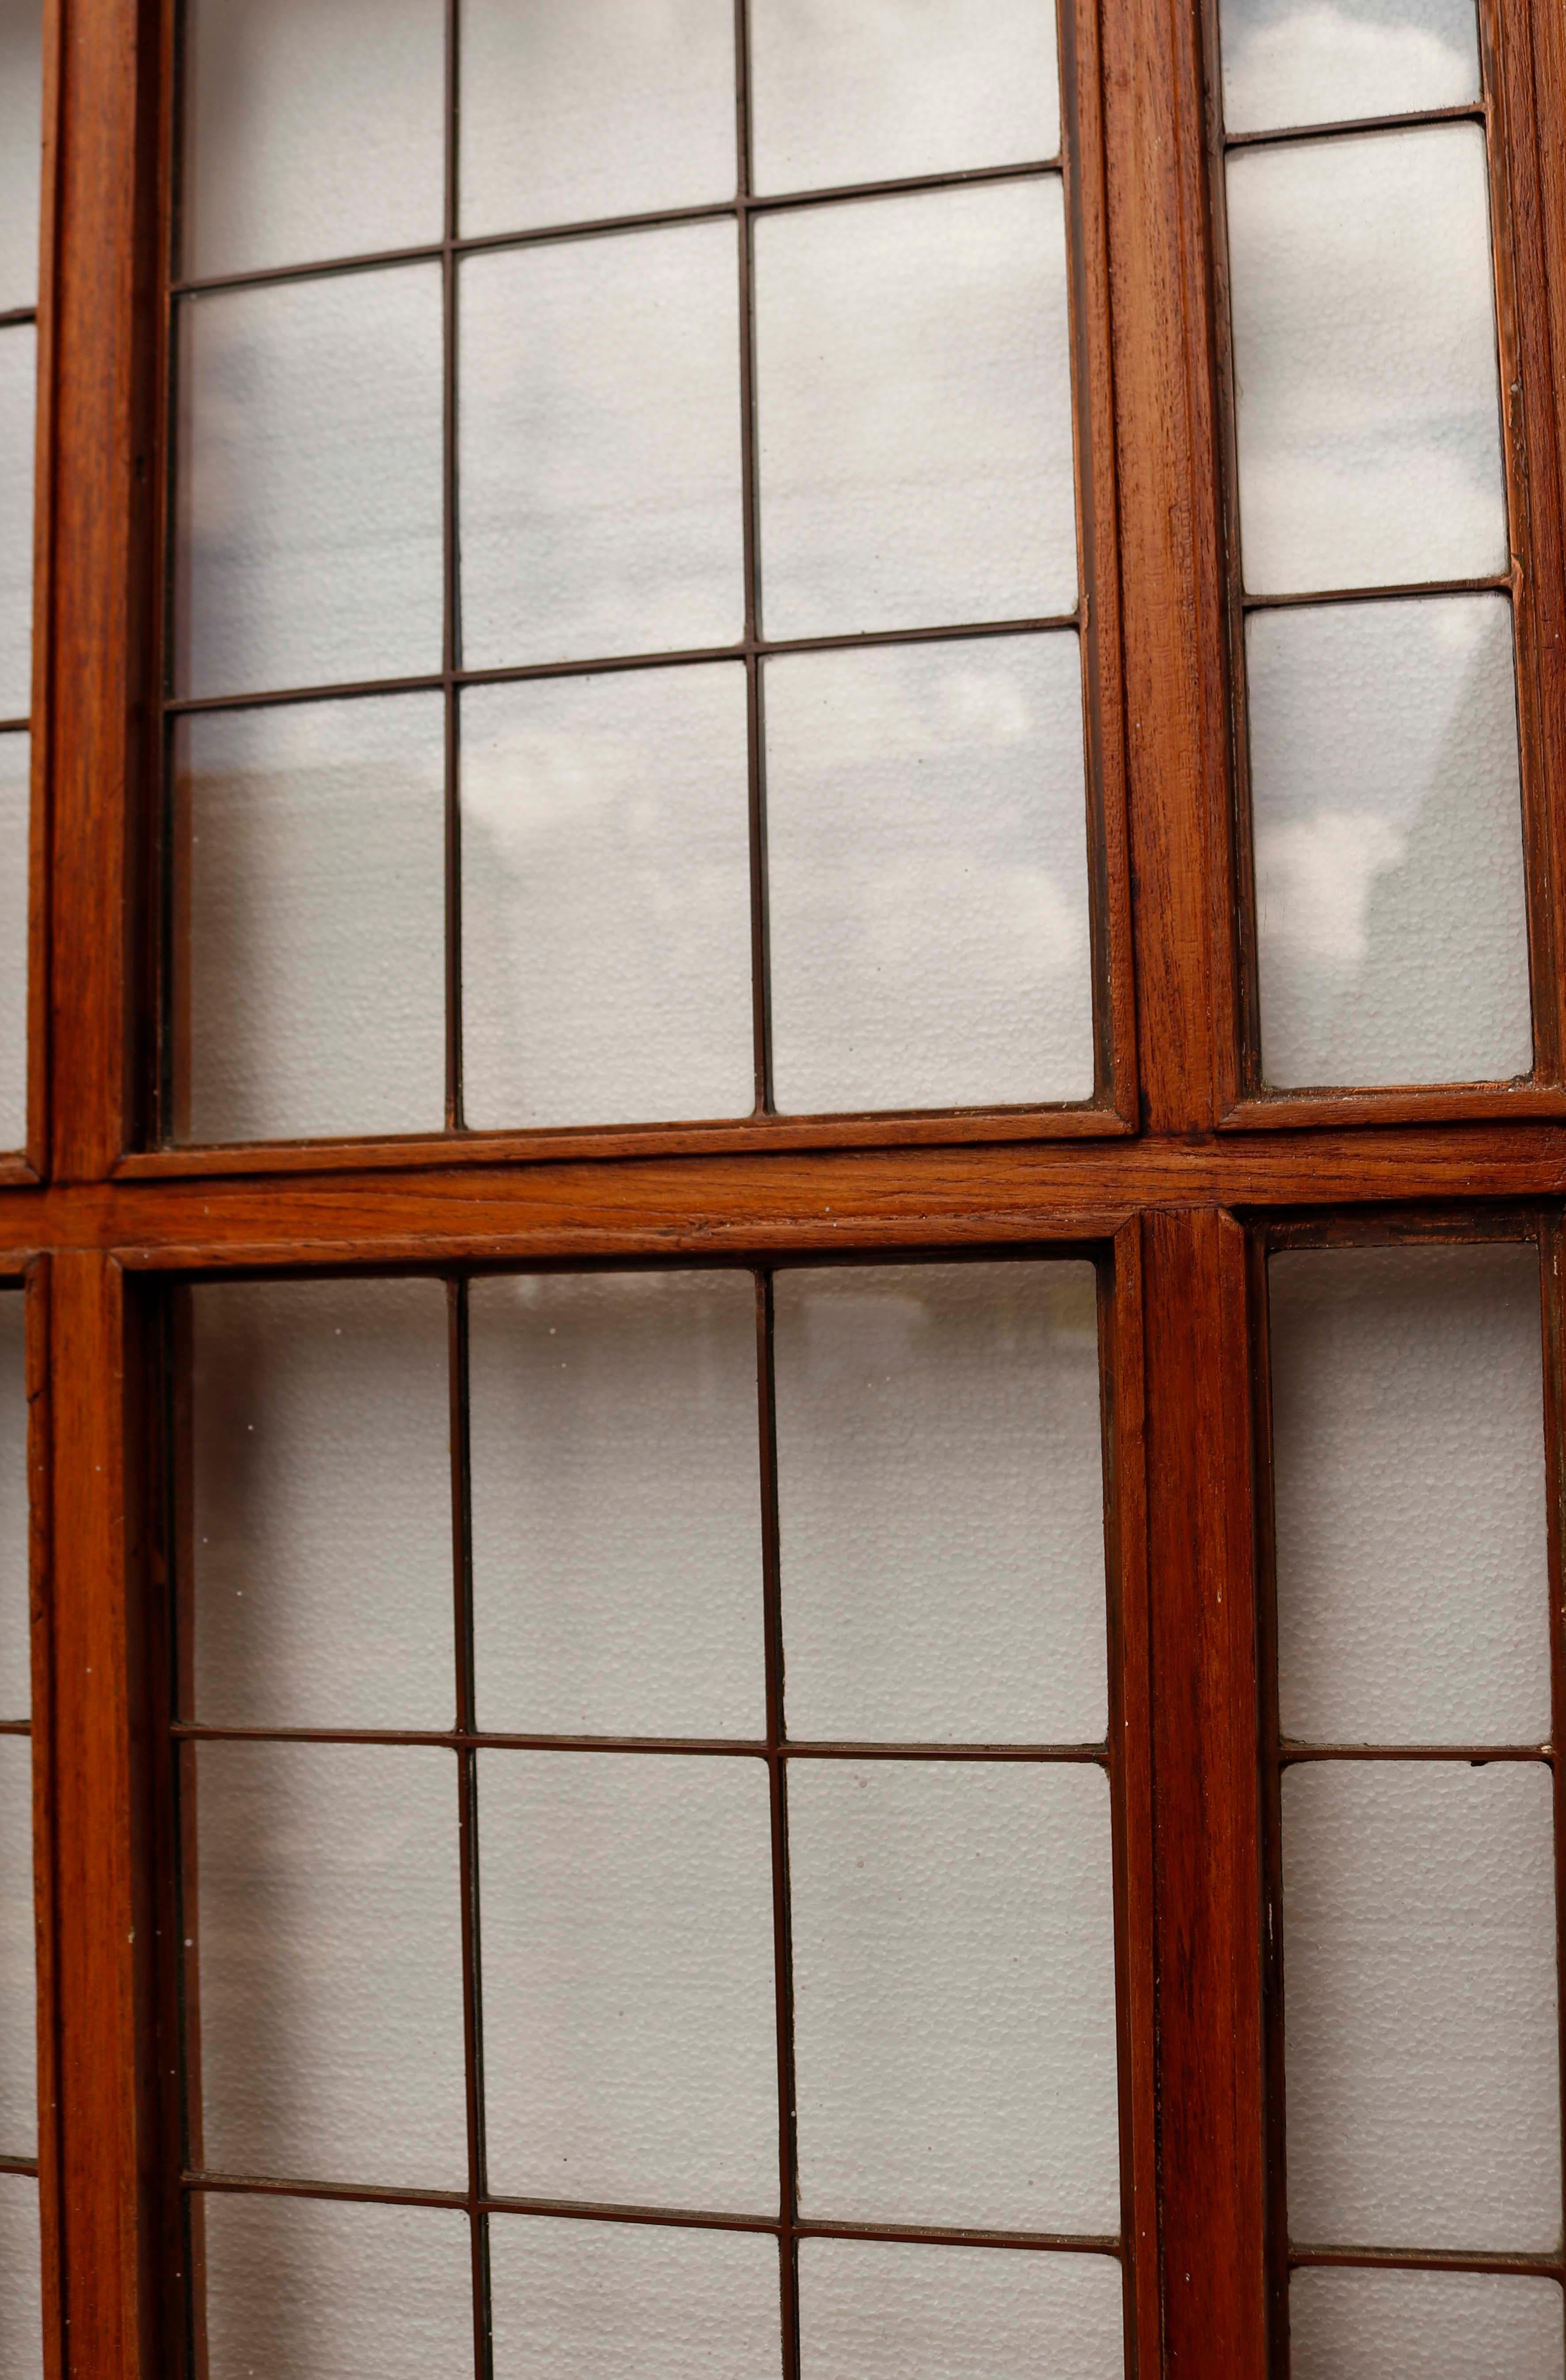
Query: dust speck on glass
point(601, 423)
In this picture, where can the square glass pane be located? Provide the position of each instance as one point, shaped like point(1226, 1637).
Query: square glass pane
point(1420, 2028)
point(869, 2310)
point(314, 851)
point(1346, 2325)
point(299, 2288)
point(607, 107)
point(914, 411)
point(579, 2301)
point(1387, 810)
point(955, 2002)
point(15, 770)
point(320, 1520)
point(18, 373)
point(1365, 359)
point(940, 1503)
point(601, 461)
point(15, 1595)
point(307, 540)
point(629, 2050)
point(1409, 1489)
point(21, 148)
point(310, 131)
point(616, 1505)
point(18, 1988)
point(926, 866)
point(1323, 60)
point(21, 2308)
point(328, 1928)
point(873, 94)
point(606, 899)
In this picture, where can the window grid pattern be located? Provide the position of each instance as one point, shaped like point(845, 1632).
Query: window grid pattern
point(478, 2201)
point(753, 647)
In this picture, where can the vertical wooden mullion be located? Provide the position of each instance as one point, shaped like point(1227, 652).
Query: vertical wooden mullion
point(40, 1472)
point(1205, 1796)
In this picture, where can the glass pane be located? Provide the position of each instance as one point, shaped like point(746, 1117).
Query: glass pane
point(319, 1417)
point(606, 899)
point(878, 2312)
point(927, 854)
point(1390, 2326)
point(628, 1979)
point(616, 1506)
point(1322, 61)
point(629, 2302)
point(1365, 359)
point(21, 2311)
point(1420, 1990)
point(315, 851)
point(299, 2288)
point(1393, 928)
point(16, 766)
point(1409, 1483)
point(15, 1650)
point(600, 464)
point(308, 540)
point(21, 148)
point(19, 2002)
point(310, 131)
point(609, 109)
point(872, 95)
point(953, 1969)
point(940, 1503)
point(331, 1974)
point(18, 371)
point(914, 411)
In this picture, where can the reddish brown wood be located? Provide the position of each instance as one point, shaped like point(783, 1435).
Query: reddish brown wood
point(39, 839)
point(1206, 1794)
point(39, 1465)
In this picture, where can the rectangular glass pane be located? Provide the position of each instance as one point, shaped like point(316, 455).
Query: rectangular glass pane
point(308, 539)
point(600, 457)
point(310, 131)
point(322, 1530)
point(15, 770)
point(873, 94)
point(1421, 2033)
point(927, 854)
point(15, 1650)
point(914, 411)
point(874, 2311)
point(1392, 910)
point(19, 1990)
point(1364, 360)
point(616, 1505)
point(1390, 2325)
point(630, 2055)
point(21, 148)
point(953, 1973)
point(1409, 1484)
point(606, 899)
point(19, 373)
point(1322, 61)
point(581, 2300)
point(327, 1924)
point(611, 109)
point(315, 953)
point(940, 1503)
point(300, 2288)
point(21, 2310)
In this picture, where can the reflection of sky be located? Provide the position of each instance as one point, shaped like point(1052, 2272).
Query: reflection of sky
point(1388, 819)
point(1322, 61)
point(926, 870)
point(1365, 353)
point(21, 148)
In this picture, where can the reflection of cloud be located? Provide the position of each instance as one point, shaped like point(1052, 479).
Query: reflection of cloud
point(1322, 62)
point(1313, 882)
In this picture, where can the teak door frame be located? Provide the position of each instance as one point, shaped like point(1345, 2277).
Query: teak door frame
point(95, 1226)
